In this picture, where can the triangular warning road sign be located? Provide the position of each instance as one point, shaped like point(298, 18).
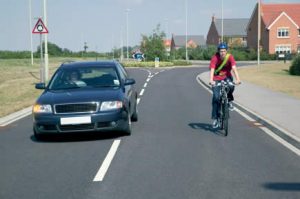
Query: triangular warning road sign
point(40, 28)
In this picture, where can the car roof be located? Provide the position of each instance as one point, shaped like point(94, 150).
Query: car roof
point(106, 63)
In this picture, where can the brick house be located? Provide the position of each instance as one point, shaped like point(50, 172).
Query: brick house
point(193, 41)
point(280, 28)
point(234, 31)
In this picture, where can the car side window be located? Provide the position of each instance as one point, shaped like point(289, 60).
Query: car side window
point(122, 72)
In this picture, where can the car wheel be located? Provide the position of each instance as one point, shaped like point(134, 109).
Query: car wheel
point(36, 135)
point(128, 125)
point(134, 116)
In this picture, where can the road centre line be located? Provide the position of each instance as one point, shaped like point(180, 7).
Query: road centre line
point(138, 100)
point(145, 85)
point(142, 92)
point(107, 161)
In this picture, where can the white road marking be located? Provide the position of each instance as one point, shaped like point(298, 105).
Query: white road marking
point(266, 130)
point(280, 140)
point(145, 85)
point(244, 115)
point(142, 92)
point(138, 100)
point(106, 163)
point(148, 79)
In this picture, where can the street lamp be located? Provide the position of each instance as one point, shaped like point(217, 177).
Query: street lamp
point(222, 39)
point(46, 43)
point(127, 11)
point(186, 52)
point(30, 27)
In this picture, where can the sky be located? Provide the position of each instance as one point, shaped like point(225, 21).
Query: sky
point(102, 24)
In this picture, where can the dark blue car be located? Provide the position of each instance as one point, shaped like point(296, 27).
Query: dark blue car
point(85, 97)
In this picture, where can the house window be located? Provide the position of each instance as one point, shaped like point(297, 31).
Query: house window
point(284, 48)
point(283, 32)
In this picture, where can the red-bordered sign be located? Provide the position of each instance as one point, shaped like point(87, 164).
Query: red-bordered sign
point(40, 28)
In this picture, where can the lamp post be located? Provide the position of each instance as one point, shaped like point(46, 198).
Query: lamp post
point(127, 11)
point(186, 45)
point(258, 32)
point(30, 29)
point(46, 43)
point(222, 29)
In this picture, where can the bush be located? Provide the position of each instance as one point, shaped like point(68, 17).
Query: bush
point(295, 67)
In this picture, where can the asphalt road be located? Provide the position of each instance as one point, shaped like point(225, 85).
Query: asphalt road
point(172, 153)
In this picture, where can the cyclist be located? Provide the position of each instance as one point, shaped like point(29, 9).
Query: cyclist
point(221, 65)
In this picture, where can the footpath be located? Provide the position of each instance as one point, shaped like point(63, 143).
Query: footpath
point(278, 112)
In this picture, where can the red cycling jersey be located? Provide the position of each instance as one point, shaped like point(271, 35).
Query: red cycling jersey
point(225, 72)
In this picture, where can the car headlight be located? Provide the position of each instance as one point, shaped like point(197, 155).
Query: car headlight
point(111, 105)
point(42, 108)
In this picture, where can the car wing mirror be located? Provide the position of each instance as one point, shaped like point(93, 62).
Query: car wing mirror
point(129, 82)
point(40, 86)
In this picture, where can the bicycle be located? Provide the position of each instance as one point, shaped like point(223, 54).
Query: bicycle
point(223, 115)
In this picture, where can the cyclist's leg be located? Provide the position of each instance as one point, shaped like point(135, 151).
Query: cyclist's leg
point(231, 89)
point(215, 102)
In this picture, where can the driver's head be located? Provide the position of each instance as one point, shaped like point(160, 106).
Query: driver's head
point(222, 49)
point(74, 76)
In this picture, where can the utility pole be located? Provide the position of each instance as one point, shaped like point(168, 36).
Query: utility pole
point(258, 32)
point(46, 43)
point(127, 29)
point(222, 37)
point(30, 27)
point(186, 45)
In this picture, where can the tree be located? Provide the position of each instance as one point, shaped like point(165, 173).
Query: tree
point(153, 46)
point(53, 49)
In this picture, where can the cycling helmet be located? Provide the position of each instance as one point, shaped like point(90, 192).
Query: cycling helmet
point(222, 45)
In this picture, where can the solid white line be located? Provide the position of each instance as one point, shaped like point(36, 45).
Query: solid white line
point(106, 163)
point(138, 100)
point(244, 115)
point(266, 130)
point(145, 85)
point(142, 92)
point(280, 140)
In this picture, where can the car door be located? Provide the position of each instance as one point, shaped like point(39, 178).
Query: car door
point(129, 90)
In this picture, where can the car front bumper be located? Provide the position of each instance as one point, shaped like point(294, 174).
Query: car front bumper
point(102, 121)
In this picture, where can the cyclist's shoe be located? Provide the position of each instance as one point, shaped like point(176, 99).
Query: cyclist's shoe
point(215, 124)
point(230, 106)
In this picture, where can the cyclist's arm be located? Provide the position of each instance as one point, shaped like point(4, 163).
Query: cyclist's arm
point(236, 75)
point(211, 77)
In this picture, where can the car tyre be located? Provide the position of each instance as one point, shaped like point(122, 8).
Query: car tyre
point(37, 136)
point(134, 117)
point(128, 125)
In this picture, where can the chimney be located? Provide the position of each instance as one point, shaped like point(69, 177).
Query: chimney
point(213, 18)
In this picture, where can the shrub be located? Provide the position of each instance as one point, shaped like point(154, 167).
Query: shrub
point(295, 67)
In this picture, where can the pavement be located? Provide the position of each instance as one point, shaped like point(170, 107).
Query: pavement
point(277, 111)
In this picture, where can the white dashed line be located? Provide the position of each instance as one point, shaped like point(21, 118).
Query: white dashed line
point(138, 100)
point(148, 79)
point(106, 163)
point(142, 92)
point(145, 85)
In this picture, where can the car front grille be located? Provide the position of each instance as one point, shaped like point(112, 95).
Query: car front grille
point(76, 108)
point(78, 127)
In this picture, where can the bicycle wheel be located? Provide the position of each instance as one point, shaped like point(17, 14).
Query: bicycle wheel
point(225, 118)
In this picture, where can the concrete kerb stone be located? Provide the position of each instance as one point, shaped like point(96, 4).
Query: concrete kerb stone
point(15, 116)
point(279, 131)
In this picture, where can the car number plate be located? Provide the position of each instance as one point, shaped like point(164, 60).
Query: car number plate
point(75, 120)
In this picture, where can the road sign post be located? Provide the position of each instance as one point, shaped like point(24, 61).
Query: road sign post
point(40, 28)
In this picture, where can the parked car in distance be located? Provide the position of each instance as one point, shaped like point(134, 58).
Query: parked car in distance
point(86, 97)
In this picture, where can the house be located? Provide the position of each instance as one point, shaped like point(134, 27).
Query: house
point(234, 31)
point(280, 32)
point(193, 41)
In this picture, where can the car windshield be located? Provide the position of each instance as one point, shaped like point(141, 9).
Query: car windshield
point(84, 77)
